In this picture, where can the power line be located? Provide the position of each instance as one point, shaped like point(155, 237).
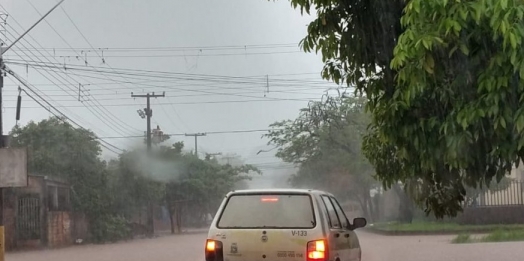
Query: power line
point(167, 81)
point(99, 113)
point(174, 103)
point(116, 97)
point(102, 116)
point(198, 55)
point(185, 134)
point(162, 74)
point(27, 85)
point(182, 48)
point(215, 93)
point(116, 119)
point(21, 43)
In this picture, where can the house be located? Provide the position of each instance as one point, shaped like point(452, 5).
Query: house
point(39, 215)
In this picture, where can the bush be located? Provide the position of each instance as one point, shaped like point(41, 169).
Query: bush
point(462, 238)
point(110, 228)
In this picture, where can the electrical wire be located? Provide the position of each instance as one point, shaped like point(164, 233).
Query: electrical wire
point(196, 55)
point(102, 116)
point(174, 103)
point(184, 134)
point(181, 48)
point(105, 144)
point(110, 114)
point(214, 93)
point(164, 74)
point(99, 113)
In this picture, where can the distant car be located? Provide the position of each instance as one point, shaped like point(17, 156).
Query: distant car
point(284, 225)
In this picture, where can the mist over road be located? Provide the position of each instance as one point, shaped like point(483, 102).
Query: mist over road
point(375, 248)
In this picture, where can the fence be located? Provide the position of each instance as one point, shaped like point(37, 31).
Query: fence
point(509, 194)
point(28, 218)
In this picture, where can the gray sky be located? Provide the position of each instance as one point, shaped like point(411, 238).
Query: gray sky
point(214, 56)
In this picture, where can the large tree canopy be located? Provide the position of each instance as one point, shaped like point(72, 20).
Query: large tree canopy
point(57, 149)
point(178, 180)
point(443, 81)
point(325, 141)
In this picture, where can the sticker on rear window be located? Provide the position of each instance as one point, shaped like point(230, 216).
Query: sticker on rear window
point(299, 233)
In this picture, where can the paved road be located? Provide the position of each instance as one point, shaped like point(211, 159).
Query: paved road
point(435, 248)
point(375, 247)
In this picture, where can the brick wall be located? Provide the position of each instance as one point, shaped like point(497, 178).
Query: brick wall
point(492, 215)
point(9, 229)
point(59, 229)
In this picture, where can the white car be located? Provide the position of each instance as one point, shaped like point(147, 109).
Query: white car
point(283, 225)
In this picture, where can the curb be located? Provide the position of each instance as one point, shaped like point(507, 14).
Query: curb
point(186, 232)
point(424, 233)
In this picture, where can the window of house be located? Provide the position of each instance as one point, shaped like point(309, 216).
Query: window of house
point(58, 198)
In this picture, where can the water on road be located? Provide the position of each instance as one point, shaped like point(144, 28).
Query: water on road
point(375, 248)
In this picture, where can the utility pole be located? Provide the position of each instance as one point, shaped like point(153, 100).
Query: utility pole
point(2, 231)
point(196, 135)
point(3, 139)
point(228, 157)
point(209, 155)
point(148, 115)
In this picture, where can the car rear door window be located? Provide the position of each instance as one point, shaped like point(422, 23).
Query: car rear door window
point(334, 222)
point(340, 212)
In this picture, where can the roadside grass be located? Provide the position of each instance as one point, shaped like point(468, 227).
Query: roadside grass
point(495, 236)
point(462, 238)
point(442, 227)
point(504, 236)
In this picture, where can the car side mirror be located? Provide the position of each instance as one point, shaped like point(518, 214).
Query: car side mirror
point(358, 223)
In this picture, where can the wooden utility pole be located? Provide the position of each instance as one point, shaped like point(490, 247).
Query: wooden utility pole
point(3, 139)
point(148, 115)
point(196, 135)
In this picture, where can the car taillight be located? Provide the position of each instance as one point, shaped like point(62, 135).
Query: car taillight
point(317, 250)
point(214, 250)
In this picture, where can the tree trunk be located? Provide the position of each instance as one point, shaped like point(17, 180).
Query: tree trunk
point(171, 220)
point(150, 220)
point(364, 207)
point(178, 214)
point(405, 205)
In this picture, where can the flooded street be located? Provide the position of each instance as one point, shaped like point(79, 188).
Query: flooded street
point(434, 248)
point(375, 247)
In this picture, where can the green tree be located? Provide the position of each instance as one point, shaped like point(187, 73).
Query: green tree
point(134, 189)
point(325, 141)
point(56, 148)
point(201, 186)
point(443, 84)
point(190, 188)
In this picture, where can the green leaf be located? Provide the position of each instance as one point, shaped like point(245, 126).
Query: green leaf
point(503, 27)
point(429, 64)
point(416, 6)
point(521, 143)
point(452, 51)
point(464, 49)
point(502, 122)
point(520, 124)
point(503, 4)
point(513, 40)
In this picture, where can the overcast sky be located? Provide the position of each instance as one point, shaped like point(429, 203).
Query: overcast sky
point(224, 65)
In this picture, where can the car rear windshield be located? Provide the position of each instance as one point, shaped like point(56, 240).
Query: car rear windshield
point(268, 211)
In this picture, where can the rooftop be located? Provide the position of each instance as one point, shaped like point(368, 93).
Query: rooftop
point(282, 190)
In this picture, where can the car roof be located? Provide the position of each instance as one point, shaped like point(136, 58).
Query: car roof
point(256, 191)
